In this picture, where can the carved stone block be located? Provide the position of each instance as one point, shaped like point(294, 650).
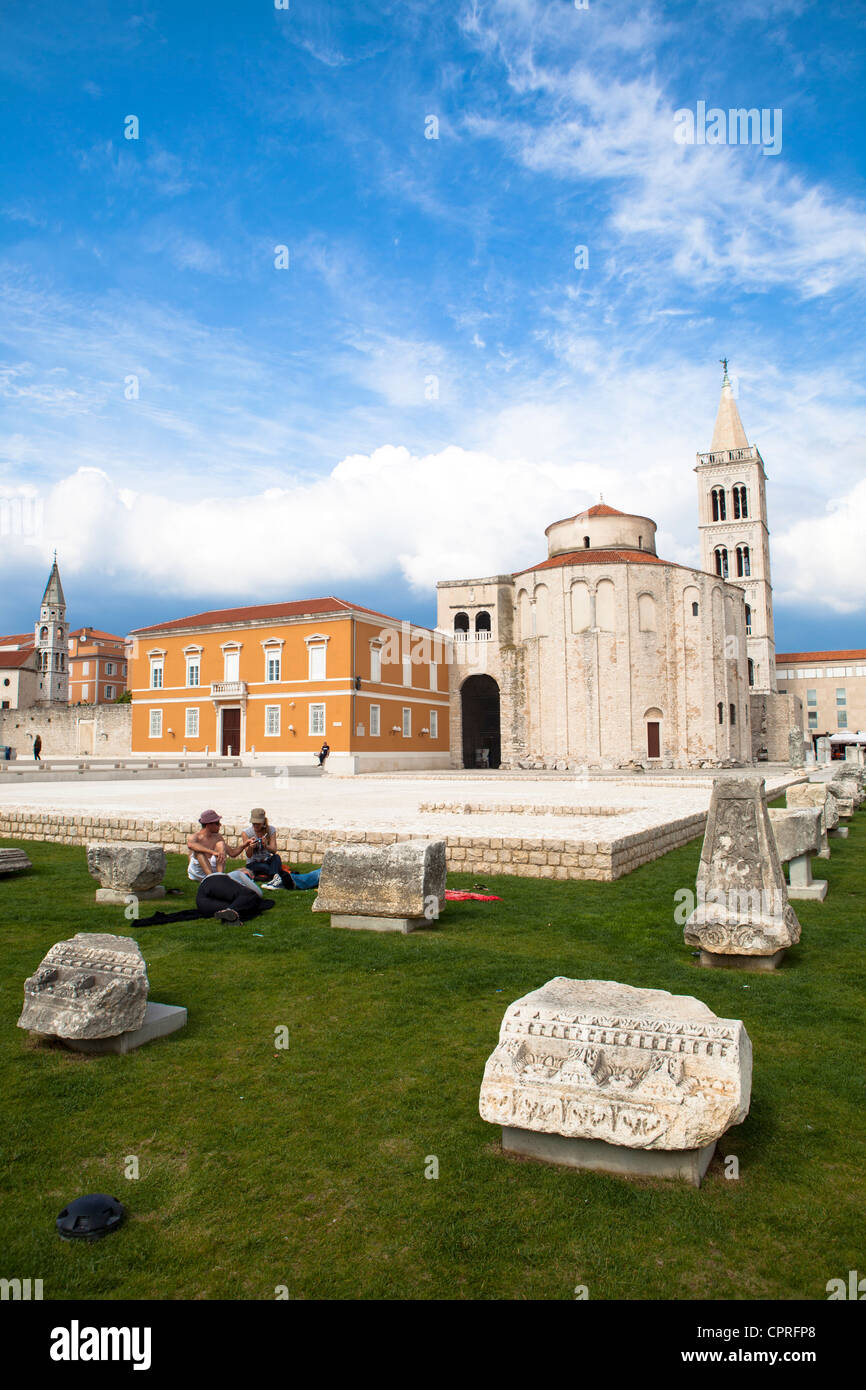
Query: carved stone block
point(11, 860)
point(92, 986)
point(743, 907)
point(405, 880)
point(123, 869)
point(635, 1068)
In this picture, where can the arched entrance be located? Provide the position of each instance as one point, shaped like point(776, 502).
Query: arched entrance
point(479, 704)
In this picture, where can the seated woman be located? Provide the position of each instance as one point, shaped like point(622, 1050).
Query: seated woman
point(259, 844)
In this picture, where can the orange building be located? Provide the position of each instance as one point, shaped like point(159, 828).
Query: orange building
point(280, 679)
point(97, 666)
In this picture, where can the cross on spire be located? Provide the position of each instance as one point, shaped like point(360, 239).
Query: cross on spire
point(724, 362)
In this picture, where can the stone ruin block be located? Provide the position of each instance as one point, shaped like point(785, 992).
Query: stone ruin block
point(796, 748)
point(798, 837)
point(383, 887)
point(596, 1074)
point(92, 986)
point(743, 918)
point(850, 780)
point(843, 791)
point(814, 794)
point(126, 870)
point(12, 860)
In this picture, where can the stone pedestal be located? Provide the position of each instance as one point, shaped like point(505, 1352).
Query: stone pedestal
point(801, 884)
point(159, 1021)
point(121, 896)
point(360, 923)
point(596, 1155)
point(840, 833)
point(711, 961)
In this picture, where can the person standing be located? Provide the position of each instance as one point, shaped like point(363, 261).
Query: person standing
point(37, 748)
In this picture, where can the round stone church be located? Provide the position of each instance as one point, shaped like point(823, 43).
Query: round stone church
point(603, 654)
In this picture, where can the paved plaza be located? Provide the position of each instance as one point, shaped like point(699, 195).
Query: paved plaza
point(601, 809)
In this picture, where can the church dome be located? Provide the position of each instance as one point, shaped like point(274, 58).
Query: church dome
point(601, 528)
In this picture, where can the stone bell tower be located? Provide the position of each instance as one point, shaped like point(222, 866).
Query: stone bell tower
point(735, 540)
point(52, 637)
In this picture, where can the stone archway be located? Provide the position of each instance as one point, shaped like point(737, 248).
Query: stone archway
point(479, 706)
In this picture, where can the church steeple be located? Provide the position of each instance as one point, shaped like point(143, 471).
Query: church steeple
point(53, 596)
point(729, 432)
point(732, 522)
point(52, 640)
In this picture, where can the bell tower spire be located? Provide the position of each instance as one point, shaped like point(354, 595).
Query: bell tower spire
point(732, 522)
point(52, 639)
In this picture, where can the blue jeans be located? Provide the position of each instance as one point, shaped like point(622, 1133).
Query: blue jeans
point(310, 880)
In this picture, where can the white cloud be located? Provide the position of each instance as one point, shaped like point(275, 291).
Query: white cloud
point(819, 559)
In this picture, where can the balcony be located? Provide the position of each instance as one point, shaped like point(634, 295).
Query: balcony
point(730, 455)
point(481, 636)
point(228, 690)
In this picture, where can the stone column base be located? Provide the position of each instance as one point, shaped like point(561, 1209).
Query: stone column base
point(159, 1021)
point(801, 883)
point(840, 833)
point(714, 961)
point(354, 922)
point(120, 895)
point(597, 1155)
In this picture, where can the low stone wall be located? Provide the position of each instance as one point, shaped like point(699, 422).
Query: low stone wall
point(523, 857)
point(477, 808)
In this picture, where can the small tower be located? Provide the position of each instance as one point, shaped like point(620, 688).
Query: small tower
point(732, 522)
point(51, 643)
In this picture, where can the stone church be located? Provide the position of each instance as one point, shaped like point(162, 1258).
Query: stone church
point(603, 654)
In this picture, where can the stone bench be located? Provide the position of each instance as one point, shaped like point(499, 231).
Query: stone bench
point(395, 888)
point(797, 833)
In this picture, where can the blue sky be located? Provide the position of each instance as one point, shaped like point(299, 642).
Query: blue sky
point(432, 380)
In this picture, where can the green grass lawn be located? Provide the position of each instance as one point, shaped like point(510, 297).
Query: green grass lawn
point(305, 1167)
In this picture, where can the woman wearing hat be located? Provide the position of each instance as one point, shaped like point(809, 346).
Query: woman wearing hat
point(260, 846)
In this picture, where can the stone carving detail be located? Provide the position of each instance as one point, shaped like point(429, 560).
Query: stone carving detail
point(124, 869)
point(404, 880)
point(743, 907)
point(640, 1068)
point(92, 986)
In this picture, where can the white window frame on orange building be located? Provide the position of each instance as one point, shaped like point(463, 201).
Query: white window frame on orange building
point(375, 710)
point(189, 732)
point(272, 710)
point(317, 733)
point(155, 715)
point(157, 663)
point(317, 642)
point(192, 656)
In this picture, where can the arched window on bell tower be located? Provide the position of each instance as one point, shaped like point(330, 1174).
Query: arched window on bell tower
point(717, 497)
point(741, 501)
point(744, 568)
point(748, 621)
point(721, 555)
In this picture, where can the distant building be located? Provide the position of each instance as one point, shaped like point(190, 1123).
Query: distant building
point(97, 666)
point(603, 654)
point(19, 682)
point(281, 679)
point(832, 687)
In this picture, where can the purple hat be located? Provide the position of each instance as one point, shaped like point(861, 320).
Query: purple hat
point(209, 818)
